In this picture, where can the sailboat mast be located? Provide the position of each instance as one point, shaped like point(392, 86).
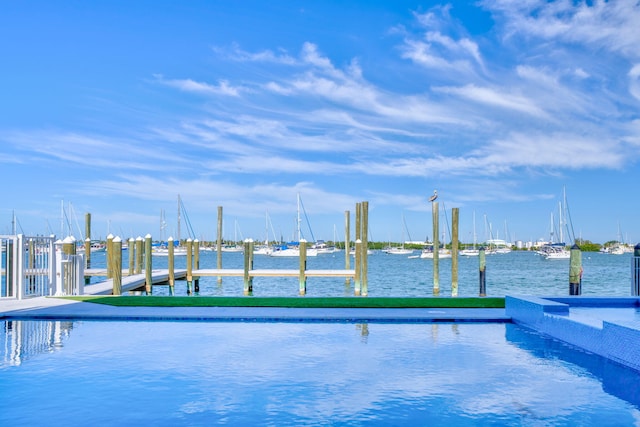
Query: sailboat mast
point(298, 222)
point(179, 219)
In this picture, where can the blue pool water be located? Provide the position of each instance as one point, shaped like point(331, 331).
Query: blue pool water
point(253, 373)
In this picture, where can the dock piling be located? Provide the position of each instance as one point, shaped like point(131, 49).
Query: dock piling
point(219, 243)
point(483, 272)
point(455, 215)
point(302, 278)
point(147, 265)
point(132, 253)
point(364, 289)
point(436, 248)
point(635, 271)
point(116, 259)
point(171, 266)
point(357, 260)
point(196, 265)
point(248, 266)
point(139, 246)
point(109, 256)
point(189, 265)
point(575, 270)
point(347, 242)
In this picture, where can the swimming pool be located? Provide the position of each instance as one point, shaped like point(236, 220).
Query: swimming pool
point(294, 373)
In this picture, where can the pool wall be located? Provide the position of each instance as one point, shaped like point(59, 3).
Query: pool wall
point(615, 340)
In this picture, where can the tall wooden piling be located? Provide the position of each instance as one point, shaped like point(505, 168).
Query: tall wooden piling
point(148, 272)
point(455, 213)
point(219, 243)
point(132, 254)
point(109, 250)
point(357, 269)
point(248, 266)
point(189, 265)
point(483, 272)
point(171, 266)
point(575, 270)
point(436, 248)
point(116, 259)
point(196, 265)
point(139, 249)
point(364, 289)
point(302, 276)
point(347, 242)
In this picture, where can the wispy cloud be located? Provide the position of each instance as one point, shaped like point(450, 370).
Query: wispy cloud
point(495, 97)
point(187, 85)
point(610, 25)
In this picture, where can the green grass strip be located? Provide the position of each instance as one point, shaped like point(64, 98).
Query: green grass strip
point(295, 302)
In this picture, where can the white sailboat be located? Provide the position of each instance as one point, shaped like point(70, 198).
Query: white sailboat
point(472, 251)
point(557, 250)
point(399, 250)
point(163, 248)
point(293, 249)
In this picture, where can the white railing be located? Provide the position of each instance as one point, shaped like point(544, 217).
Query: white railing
point(37, 266)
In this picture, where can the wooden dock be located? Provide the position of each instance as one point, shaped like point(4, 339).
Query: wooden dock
point(136, 282)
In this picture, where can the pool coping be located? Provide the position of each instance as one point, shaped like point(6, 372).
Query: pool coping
point(53, 308)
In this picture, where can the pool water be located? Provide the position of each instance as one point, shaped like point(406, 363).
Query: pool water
point(253, 373)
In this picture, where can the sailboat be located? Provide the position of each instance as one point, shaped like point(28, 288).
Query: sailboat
point(292, 249)
point(472, 251)
point(163, 248)
point(399, 250)
point(265, 248)
point(233, 247)
point(557, 250)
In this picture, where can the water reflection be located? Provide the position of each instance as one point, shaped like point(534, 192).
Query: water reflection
point(617, 380)
point(23, 339)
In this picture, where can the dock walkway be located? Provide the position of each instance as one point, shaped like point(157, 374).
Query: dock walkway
point(161, 277)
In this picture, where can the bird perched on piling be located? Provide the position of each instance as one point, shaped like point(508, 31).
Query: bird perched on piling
point(434, 197)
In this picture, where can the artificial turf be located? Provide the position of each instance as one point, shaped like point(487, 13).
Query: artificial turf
point(294, 302)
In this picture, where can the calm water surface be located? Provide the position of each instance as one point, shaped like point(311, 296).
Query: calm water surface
point(524, 273)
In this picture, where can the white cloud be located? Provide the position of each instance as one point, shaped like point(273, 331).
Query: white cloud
point(612, 25)
point(497, 98)
point(187, 85)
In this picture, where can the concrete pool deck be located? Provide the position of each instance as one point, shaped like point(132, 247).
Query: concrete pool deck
point(51, 308)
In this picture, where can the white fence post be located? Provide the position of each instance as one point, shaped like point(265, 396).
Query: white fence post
point(53, 267)
point(18, 249)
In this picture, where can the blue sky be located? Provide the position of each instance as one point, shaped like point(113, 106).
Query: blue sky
point(116, 107)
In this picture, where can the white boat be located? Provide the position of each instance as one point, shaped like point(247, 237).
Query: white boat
point(472, 251)
point(469, 252)
point(322, 248)
point(292, 249)
point(262, 250)
point(442, 253)
point(554, 251)
point(163, 250)
point(401, 250)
